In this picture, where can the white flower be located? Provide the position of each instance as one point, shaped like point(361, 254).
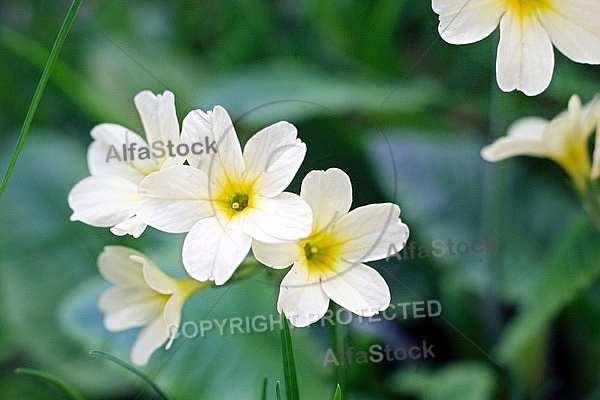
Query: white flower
point(144, 297)
point(528, 28)
point(328, 263)
point(563, 140)
point(109, 197)
point(227, 198)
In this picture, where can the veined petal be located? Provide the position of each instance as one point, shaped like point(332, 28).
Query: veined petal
point(574, 29)
point(467, 21)
point(103, 200)
point(212, 251)
point(301, 298)
point(329, 195)
point(116, 266)
point(525, 59)
point(366, 232)
point(525, 137)
point(148, 341)
point(158, 116)
point(358, 288)
point(279, 255)
point(215, 125)
point(133, 226)
point(272, 157)
point(127, 307)
point(110, 154)
point(175, 198)
point(273, 220)
point(376, 244)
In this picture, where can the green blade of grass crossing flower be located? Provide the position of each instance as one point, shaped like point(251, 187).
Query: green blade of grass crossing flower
point(289, 364)
point(132, 369)
point(68, 390)
point(54, 53)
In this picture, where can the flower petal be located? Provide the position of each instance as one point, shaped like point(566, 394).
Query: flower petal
point(127, 307)
point(155, 278)
point(212, 251)
point(133, 226)
point(272, 157)
point(175, 199)
point(525, 59)
point(368, 231)
point(301, 298)
point(574, 29)
point(273, 220)
point(525, 137)
point(467, 21)
point(358, 288)
point(116, 266)
point(158, 116)
point(110, 153)
point(329, 195)
point(148, 341)
point(215, 125)
point(279, 255)
point(103, 200)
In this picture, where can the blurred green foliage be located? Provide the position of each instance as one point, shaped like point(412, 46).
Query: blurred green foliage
point(373, 90)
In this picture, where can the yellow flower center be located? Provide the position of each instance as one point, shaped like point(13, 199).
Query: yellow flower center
point(525, 8)
point(235, 197)
point(320, 252)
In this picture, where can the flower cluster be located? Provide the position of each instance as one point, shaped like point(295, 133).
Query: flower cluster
point(228, 201)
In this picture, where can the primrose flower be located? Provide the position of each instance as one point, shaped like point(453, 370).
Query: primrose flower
point(119, 159)
point(528, 29)
point(328, 263)
point(228, 197)
point(144, 297)
point(564, 140)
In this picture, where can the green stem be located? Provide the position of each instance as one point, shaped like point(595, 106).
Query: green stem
point(289, 363)
point(54, 53)
point(336, 334)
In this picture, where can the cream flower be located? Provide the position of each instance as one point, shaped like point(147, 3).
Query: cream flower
point(144, 297)
point(225, 199)
point(564, 140)
point(528, 28)
point(328, 263)
point(119, 159)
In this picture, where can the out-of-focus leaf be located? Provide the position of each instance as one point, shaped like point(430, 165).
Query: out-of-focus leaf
point(572, 267)
point(461, 380)
point(263, 92)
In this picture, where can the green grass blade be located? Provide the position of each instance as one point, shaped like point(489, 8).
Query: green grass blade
point(264, 389)
point(289, 364)
point(278, 390)
point(54, 53)
point(70, 392)
point(338, 393)
point(132, 369)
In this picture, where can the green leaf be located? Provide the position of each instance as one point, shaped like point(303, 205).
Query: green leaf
point(572, 267)
point(70, 392)
point(462, 380)
point(54, 54)
point(278, 390)
point(260, 93)
point(289, 363)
